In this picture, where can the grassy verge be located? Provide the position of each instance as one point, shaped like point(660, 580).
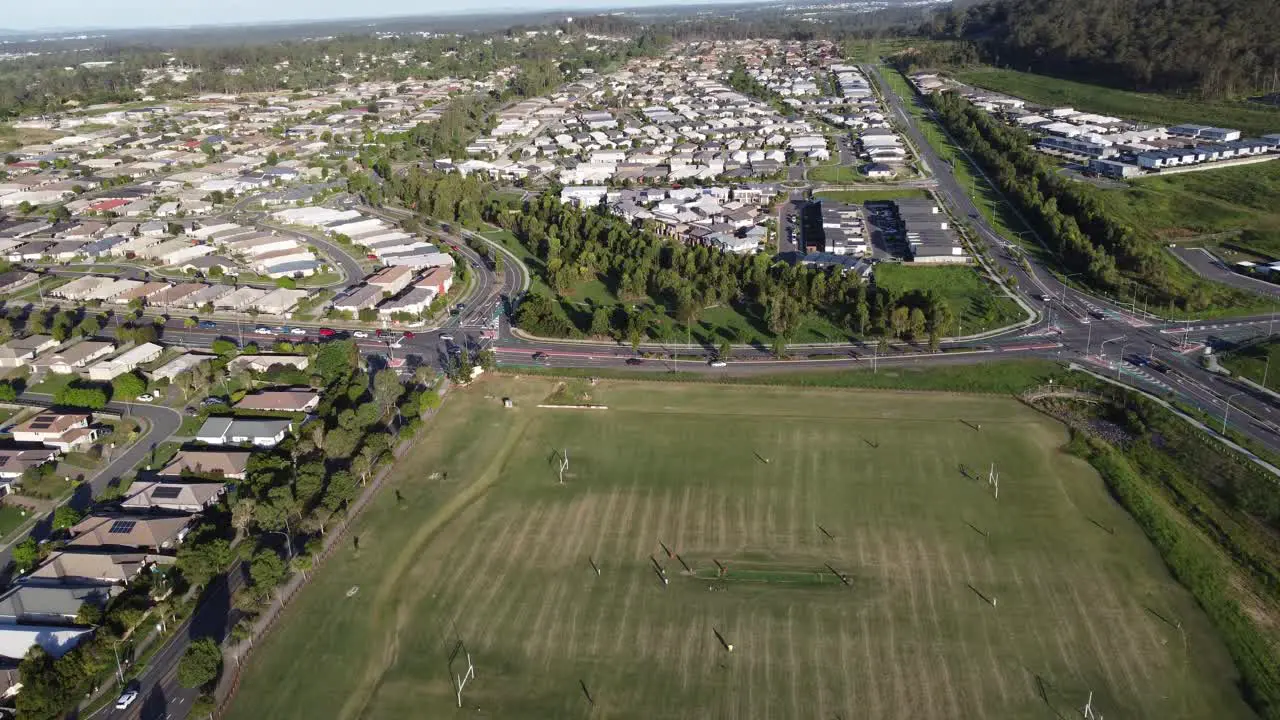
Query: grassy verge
point(1000, 377)
point(836, 174)
point(1163, 109)
point(861, 196)
point(977, 302)
point(11, 518)
point(1253, 362)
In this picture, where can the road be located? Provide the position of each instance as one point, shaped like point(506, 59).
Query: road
point(1203, 263)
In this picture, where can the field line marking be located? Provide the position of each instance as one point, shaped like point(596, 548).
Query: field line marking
point(363, 693)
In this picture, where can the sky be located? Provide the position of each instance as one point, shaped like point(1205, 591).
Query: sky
point(123, 14)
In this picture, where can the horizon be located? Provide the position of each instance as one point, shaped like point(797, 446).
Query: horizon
point(162, 15)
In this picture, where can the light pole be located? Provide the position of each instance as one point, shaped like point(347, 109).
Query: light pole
point(1120, 362)
point(1265, 369)
point(1227, 410)
point(1088, 341)
point(1102, 349)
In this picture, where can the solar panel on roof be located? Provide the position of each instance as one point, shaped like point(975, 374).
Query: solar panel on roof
point(166, 492)
point(122, 527)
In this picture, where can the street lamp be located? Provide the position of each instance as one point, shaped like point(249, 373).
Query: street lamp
point(1102, 349)
point(1227, 410)
point(1120, 362)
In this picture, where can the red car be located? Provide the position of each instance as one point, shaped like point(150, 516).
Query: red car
point(408, 335)
point(327, 332)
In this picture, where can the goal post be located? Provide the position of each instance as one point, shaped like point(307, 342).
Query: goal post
point(461, 669)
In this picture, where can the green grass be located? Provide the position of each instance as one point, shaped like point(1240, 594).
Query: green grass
point(1239, 198)
point(11, 518)
point(498, 553)
point(861, 196)
point(836, 174)
point(1252, 362)
point(976, 301)
point(51, 383)
point(1164, 109)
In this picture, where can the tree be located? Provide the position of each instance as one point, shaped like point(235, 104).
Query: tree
point(26, 554)
point(81, 395)
point(430, 400)
point(222, 347)
point(287, 283)
point(725, 350)
point(267, 570)
point(599, 323)
point(387, 388)
point(336, 361)
point(65, 517)
point(340, 490)
point(128, 386)
point(203, 556)
point(200, 664)
point(89, 614)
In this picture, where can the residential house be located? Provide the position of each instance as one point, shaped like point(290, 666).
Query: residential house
point(81, 568)
point(57, 640)
point(144, 532)
point(264, 362)
point(190, 497)
point(234, 431)
point(64, 431)
point(16, 461)
point(54, 605)
point(20, 351)
point(72, 358)
point(211, 463)
point(283, 400)
point(127, 361)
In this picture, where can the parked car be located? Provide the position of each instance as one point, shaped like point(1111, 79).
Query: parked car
point(126, 699)
point(206, 324)
point(634, 361)
point(146, 397)
point(263, 331)
point(408, 335)
point(360, 334)
point(718, 363)
point(298, 331)
point(327, 332)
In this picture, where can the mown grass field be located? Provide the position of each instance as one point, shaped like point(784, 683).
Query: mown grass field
point(1152, 107)
point(498, 553)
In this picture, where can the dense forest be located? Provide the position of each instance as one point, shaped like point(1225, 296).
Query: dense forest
point(1217, 48)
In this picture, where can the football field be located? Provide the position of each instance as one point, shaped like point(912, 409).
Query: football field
point(848, 545)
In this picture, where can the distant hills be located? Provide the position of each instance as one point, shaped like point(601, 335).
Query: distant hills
point(1213, 47)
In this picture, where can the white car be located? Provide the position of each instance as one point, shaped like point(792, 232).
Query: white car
point(126, 699)
point(718, 363)
point(263, 331)
point(396, 345)
point(360, 334)
point(146, 397)
point(298, 331)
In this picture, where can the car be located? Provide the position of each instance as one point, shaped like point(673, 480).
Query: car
point(634, 361)
point(395, 344)
point(209, 401)
point(263, 331)
point(539, 355)
point(298, 331)
point(146, 397)
point(360, 334)
point(327, 332)
point(206, 324)
point(407, 335)
point(446, 337)
point(371, 256)
point(380, 332)
point(462, 306)
point(126, 699)
point(718, 363)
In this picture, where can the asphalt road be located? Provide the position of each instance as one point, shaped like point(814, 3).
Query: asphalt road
point(1204, 264)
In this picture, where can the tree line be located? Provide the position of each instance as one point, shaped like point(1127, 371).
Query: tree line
point(658, 278)
point(1215, 48)
point(1106, 252)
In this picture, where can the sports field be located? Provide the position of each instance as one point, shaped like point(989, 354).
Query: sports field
point(957, 604)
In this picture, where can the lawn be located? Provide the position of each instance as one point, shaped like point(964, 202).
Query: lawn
point(775, 484)
point(12, 138)
point(860, 196)
point(11, 518)
point(836, 174)
point(1163, 109)
point(977, 302)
